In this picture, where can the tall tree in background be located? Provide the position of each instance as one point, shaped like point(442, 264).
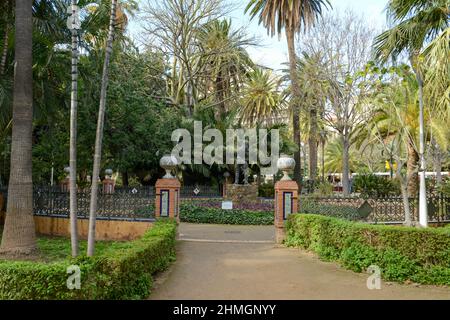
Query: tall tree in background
point(343, 40)
point(292, 16)
point(73, 23)
point(99, 133)
point(417, 21)
point(19, 233)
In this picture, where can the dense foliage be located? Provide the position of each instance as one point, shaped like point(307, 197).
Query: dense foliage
point(370, 185)
point(194, 213)
point(120, 271)
point(419, 255)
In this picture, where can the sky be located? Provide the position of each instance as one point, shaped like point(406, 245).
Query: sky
point(272, 52)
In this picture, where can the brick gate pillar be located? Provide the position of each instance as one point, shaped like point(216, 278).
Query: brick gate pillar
point(286, 198)
point(167, 202)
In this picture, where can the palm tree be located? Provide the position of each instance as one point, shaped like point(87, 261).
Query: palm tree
point(73, 133)
point(417, 21)
point(99, 133)
point(261, 100)
point(313, 85)
point(19, 232)
point(333, 157)
point(292, 16)
point(397, 114)
point(224, 61)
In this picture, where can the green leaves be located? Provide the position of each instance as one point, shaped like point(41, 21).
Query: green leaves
point(402, 253)
point(121, 271)
point(197, 214)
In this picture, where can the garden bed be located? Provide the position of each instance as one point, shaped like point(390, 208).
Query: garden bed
point(402, 253)
point(119, 270)
point(207, 212)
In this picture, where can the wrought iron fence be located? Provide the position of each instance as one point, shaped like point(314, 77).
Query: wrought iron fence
point(123, 204)
point(376, 210)
point(201, 191)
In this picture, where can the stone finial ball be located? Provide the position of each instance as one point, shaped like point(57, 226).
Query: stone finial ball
point(108, 172)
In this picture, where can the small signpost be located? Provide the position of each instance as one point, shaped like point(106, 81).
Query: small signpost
point(227, 205)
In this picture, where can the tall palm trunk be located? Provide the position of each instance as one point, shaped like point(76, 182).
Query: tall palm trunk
point(19, 231)
point(73, 137)
point(295, 105)
point(99, 133)
point(312, 143)
point(4, 51)
point(345, 164)
point(5, 41)
point(411, 170)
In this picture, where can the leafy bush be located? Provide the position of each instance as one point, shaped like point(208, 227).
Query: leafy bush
point(123, 272)
point(190, 212)
point(323, 188)
point(371, 185)
point(266, 190)
point(420, 255)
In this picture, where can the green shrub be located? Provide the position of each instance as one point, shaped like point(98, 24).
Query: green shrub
point(370, 185)
point(266, 190)
point(197, 214)
point(117, 273)
point(402, 253)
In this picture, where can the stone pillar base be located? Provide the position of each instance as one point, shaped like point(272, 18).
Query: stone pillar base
point(167, 201)
point(286, 203)
point(280, 235)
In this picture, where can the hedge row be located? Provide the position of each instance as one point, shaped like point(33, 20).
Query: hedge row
point(192, 213)
point(124, 273)
point(402, 253)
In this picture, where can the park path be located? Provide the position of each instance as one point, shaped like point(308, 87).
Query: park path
point(242, 262)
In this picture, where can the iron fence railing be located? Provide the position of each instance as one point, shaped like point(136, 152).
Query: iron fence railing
point(201, 191)
point(377, 210)
point(123, 204)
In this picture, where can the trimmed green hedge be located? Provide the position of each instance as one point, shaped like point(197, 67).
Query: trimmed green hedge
point(402, 253)
point(198, 214)
point(124, 273)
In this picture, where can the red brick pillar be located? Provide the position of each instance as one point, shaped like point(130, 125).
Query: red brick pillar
point(286, 203)
point(167, 202)
point(108, 185)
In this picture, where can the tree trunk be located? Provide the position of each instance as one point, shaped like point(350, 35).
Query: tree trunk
point(220, 97)
point(5, 51)
point(404, 189)
point(125, 180)
point(345, 165)
point(411, 171)
point(99, 133)
point(437, 164)
point(423, 214)
point(5, 41)
point(295, 105)
point(19, 236)
point(312, 143)
point(73, 137)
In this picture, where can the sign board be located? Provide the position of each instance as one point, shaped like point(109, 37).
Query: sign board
point(227, 205)
point(287, 204)
point(164, 205)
